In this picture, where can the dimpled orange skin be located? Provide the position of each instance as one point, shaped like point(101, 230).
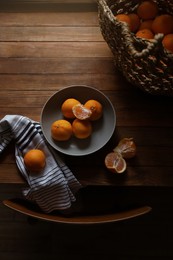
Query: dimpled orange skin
point(66, 107)
point(145, 34)
point(96, 109)
point(163, 24)
point(81, 128)
point(124, 18)
point(168, 42)
point(35, 160)
point(147, 10)
point(135, 22)
point(61, 130)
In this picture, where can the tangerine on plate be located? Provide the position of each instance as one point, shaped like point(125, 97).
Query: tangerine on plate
point(168, 42)
point(147, 10)
point(163, 24)
point(124, 18)
point(81, 112)
point(81, 128)
point(115, 163)
point(66, 107)
point(35, 160)
point(96, 109)
point(145, 34)
point(135, 22)
point(61, 130)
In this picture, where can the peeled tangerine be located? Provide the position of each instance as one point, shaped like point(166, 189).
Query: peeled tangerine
point(81, 112)
point(126, 147)
point(114, 162)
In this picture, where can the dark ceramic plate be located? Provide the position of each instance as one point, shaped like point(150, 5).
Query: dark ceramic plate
point(102, 128)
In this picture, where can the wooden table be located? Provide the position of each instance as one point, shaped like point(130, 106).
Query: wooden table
point(44, 48)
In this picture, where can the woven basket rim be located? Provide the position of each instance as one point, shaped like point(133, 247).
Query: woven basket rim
point(131, 39)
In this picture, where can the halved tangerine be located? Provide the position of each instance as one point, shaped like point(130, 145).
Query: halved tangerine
point(115, 163)
point(81, 112)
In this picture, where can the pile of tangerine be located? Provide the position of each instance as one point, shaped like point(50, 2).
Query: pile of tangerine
point(81, 115)
point(147, 21)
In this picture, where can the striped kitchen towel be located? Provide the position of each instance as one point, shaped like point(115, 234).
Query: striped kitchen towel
point(55, 187)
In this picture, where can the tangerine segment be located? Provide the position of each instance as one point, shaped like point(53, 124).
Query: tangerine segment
point(163, 24)
point(67, 105)
point(147, 10)
point(115, 163)
point(35, 160)
point(81, 128)
point(61, 130)
point(81, 112)
point(96, 109)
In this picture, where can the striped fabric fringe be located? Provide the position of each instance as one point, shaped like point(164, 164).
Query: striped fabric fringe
point(55, 187)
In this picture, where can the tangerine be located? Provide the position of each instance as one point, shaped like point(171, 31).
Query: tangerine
point(35, 160)
point(135, 22)
point(124, 18)
point(66, 107)
point(163, 24)
point(168, 42)
point(61, 130)
point(115, 163)
point(126, 147)
point(81, 128)
point(95, 107)
point(147, 10)
point(145, 34)
point(146, 25)
point(81, 112)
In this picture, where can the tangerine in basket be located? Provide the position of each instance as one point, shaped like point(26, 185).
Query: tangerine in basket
point(66, 107)
point(81, 112)
point(81, 128)
point(163, 24)
point(35, 160)
point(147, 24)
point(147, 10)
point(145, 34)
point(96, 109)
point(115, 163)
point(168, 42)
point(124, 18)
point(61, 130)
point(135, 22)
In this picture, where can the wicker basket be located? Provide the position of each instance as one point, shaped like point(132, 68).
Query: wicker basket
point(145, 64)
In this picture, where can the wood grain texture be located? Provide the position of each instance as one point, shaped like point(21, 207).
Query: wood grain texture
point(43, 52)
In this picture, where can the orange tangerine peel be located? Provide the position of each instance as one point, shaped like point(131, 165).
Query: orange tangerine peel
point(126, 147)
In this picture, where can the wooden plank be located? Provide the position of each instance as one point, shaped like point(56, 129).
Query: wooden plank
point(48, 6)
point(54, 82)
point(54, 50)
point(43, 34)
point(53, 19)
point(53, 66)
